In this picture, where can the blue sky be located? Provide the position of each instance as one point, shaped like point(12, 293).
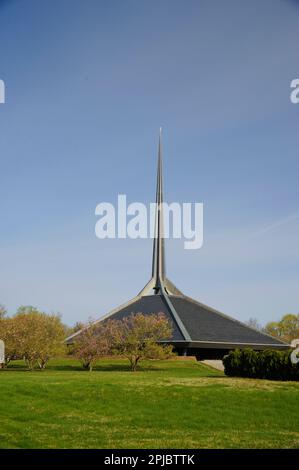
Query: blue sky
point(88, 83)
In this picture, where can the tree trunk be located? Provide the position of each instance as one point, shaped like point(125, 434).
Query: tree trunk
point(30, 364)
point(42, 364)
point(134, 363)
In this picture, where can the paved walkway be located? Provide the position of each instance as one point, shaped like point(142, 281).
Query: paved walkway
point(215, 364)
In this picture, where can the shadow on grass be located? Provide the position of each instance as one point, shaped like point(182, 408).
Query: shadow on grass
point(19, 366)
point(78, 368)
point(107, 367)
point(97, 368)
point(14, 368)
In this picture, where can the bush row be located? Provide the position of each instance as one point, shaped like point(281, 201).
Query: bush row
point(268, 364)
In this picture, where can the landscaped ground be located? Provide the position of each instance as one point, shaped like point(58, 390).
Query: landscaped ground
point(171, 404)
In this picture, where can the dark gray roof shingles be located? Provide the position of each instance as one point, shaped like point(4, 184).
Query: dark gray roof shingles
point(205, 324)
point(147, 305)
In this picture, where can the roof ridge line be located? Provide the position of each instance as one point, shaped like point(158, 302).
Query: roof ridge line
point(103, 317)
point(176, 316)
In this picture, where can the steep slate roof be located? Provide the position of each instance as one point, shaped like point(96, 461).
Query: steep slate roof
point(205, 327)
point(202, 323)
point(208, 325)
point(147, 305)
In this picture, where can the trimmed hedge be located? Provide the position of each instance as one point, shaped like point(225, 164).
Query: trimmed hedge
point(268, 364)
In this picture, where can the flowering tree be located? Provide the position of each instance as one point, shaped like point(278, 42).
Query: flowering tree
point(95, 341)
point(38, 337)
point(52, 334)
point(32, 335)
point(138, 336)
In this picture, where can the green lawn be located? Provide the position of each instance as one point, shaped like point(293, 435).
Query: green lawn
point(171, 404)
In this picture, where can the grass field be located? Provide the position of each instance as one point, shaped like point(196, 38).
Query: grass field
point(171, 404)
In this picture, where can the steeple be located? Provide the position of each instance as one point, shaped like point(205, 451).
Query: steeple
point(159, 283)
point(158, 268)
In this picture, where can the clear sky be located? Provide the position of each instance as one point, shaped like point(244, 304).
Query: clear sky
point(88, 83)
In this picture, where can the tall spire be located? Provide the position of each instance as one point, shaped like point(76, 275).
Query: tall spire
point(158, 282)
point(158, 267)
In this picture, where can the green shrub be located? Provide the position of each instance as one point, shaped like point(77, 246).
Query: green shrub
point(268, 364)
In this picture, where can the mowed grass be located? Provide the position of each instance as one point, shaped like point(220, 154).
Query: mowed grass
point(170, 404)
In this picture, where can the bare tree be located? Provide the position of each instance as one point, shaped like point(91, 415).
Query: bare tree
point(3, 311)
point(254, 323)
